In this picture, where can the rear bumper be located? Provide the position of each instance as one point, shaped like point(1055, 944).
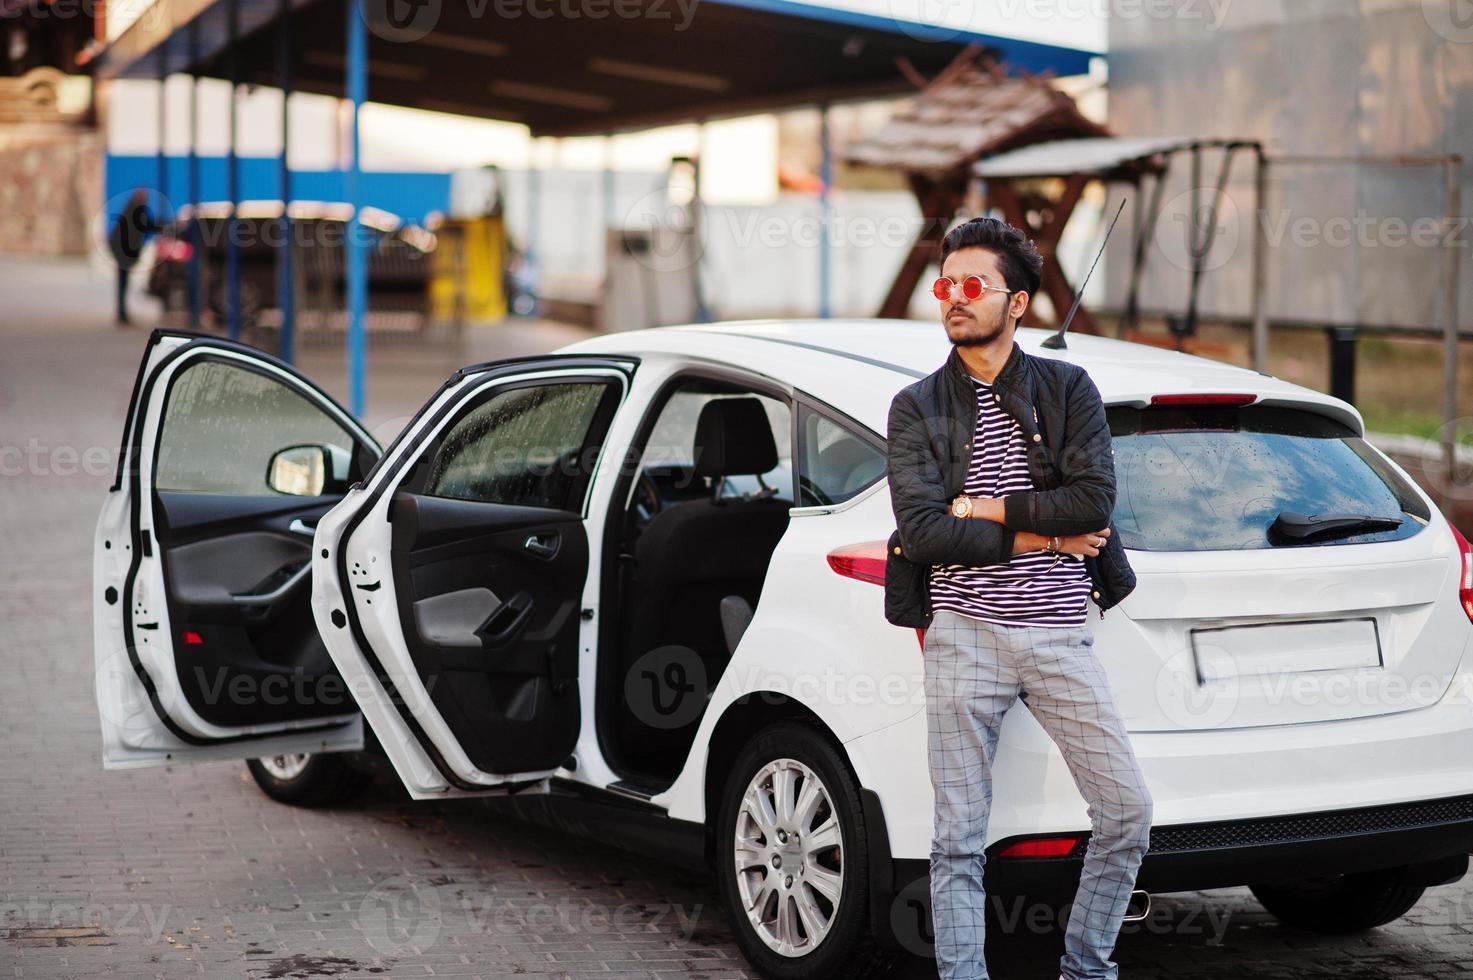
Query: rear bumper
point(1431, 839)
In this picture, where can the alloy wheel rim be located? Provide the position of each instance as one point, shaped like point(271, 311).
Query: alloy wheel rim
point(789, 857)
point(285, 766)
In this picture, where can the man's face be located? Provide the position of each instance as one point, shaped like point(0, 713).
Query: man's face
point(980, 321)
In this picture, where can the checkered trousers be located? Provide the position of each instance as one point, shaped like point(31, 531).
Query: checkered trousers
point(974, 672)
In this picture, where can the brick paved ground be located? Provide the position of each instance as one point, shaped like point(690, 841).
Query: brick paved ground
point(191, 871)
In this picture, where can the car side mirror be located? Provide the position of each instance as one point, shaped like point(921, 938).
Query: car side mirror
point(308, 470)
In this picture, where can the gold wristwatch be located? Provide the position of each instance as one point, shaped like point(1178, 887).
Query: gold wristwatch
point(961, 507)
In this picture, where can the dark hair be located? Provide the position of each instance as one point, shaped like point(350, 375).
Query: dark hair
point(1022, 266)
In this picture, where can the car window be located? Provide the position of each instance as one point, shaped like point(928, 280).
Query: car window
point(523, 446)
point(837, 462)
point(223, 423)
point(1203, 479)
point(672, 440)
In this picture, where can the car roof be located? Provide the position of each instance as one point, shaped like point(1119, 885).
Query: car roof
point(858, 365)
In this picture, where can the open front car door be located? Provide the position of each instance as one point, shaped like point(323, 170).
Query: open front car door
point(204, 641)
point(450, 586)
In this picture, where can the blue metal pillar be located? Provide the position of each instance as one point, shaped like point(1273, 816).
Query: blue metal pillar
point(192, 179)
point(161, 166)
point(232, 180)
point(285, 274)
point(826, 213)
point(356, 83)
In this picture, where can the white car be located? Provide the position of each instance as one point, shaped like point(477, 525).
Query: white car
point(644, 574)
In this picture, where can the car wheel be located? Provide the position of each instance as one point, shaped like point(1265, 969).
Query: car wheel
point(792, 862)
point(1339, 903)
point(305, 779)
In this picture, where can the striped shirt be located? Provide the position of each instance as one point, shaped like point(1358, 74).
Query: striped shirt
point(1035, 588)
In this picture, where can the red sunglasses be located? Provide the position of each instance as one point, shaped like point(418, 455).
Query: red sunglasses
point(972, 288)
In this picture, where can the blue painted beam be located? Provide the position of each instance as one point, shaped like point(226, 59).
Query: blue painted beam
point(826, 213)
point(286, 289)
point(356, 83)
point(232, 181)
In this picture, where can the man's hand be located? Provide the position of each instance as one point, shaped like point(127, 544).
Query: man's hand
point(1084, 544)
point(1072, 544)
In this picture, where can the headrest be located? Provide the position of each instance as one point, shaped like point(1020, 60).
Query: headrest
point(733, 437)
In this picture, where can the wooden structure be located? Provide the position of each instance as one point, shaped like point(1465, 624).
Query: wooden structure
point(971, 110)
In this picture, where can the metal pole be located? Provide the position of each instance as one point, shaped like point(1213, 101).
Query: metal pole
point(1190, 326)
point(1260, 263)
point(161, 166)
point(232, 181)
point(285, 280)
point(1454, 206)
point(703, 313)
point(825, 211)
point(356, 83)
point(534, 204)
point(196, 245)
point(608, 188)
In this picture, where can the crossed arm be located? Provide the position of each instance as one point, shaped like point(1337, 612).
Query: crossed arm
point(929, 534)
point(1001, 527)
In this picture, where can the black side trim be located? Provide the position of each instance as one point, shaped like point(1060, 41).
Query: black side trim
point(881, 868)
point(587, 811)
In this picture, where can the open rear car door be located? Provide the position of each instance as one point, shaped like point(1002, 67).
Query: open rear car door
point(452, 587)
point(204, 641)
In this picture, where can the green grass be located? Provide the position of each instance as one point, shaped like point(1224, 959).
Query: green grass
point(1411, 422)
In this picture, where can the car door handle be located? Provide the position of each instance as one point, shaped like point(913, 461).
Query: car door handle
point(299, 526)
point(544, 545)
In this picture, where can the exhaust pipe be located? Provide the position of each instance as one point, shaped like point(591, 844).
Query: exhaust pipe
point(1144, 896)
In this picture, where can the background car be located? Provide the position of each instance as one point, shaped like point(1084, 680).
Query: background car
point(398, 261)
point(640, 577)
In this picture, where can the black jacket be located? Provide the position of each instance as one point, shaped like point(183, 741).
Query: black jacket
point(1071, 461)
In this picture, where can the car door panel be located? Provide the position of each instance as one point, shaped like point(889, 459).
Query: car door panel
point(511, 699)
point(240, 597)
point(453, 613)
point(205, 645)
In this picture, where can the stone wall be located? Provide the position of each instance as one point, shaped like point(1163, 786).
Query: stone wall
point(50, 188)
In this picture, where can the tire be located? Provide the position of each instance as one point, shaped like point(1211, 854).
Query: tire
point(307, 780)
point(1340, 903)
point(843, 947)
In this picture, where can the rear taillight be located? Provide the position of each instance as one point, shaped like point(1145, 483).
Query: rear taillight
point(1199, 399)
point(1041, 847)
point(864, 561)
point(1465, 572)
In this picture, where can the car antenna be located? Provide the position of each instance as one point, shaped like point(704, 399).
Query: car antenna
point(1056, 342)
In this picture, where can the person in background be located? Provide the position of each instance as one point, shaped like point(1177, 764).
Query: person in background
point(129, 234)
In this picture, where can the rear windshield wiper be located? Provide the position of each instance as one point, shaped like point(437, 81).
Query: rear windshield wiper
point(1291, 527)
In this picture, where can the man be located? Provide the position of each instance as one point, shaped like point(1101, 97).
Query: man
point(1002, 479)
point(129, 233)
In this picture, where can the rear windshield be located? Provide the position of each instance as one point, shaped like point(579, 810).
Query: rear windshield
point(1213, 479)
